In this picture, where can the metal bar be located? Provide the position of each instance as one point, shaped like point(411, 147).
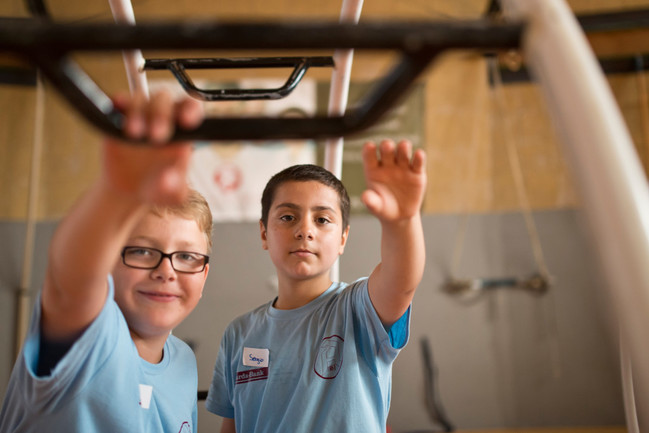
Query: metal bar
point(29, 35)
point(612, 21)
point(392, 87)
point(46, 45)
point(133, 60)
point(178, 70)
point(240, 62)
point(610, 66)
point(350, 12)
point(607, 171)
point(18, 76)
point(91, 102)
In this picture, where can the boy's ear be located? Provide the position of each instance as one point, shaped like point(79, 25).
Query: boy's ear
point(262, 232)
point(343, 241)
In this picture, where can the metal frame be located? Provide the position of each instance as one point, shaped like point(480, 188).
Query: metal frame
point(610, 66)
point(606, 170)
point(47, 45)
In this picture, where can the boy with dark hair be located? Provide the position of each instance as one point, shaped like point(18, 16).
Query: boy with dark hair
point(318, 358)
point(99, 356)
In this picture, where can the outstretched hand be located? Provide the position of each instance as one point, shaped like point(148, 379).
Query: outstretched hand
point(153, 172)
point(395, 178)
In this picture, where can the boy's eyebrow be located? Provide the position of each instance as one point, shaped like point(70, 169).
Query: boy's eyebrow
point(297, 207)
point(288, 205)
point(153, 241)
point(141, 238)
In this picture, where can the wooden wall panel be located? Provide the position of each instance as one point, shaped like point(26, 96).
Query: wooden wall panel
point(69, 160)
point(16, 136)
point(594, 6)
point(631, 93)
point(457, 128)
point(525, 125)
point(275, 9)
point(469, 165)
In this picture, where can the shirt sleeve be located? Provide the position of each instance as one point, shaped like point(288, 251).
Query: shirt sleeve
point(376, 344)
point(399, 331)
point(219, 399)
point(77, 367)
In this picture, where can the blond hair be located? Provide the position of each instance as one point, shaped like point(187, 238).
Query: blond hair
point(194, 207)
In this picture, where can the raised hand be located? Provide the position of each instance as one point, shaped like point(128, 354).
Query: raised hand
point(395, 178)
point(153, 172)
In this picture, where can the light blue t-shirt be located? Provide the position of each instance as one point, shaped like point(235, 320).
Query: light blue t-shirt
point(102, 384)
point(323, 367)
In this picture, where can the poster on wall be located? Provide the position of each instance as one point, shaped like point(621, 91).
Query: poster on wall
point(232, 175)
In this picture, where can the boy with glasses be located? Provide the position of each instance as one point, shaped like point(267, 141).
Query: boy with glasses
point(99, 356)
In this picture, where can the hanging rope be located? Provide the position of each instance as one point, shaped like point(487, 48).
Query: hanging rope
point(471, 289)
point(470, 180)
point(517, 171)
point(24, 295)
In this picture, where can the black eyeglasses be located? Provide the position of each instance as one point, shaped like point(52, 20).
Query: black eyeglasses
point(150, 258)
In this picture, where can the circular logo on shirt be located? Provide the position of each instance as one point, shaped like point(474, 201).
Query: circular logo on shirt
point(330, 357)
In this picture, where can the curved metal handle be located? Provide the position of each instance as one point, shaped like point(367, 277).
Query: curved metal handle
point(178, 68)
point(90, 101)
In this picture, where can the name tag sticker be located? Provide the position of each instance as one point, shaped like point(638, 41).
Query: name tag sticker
point(145, 396)
point(255, 357)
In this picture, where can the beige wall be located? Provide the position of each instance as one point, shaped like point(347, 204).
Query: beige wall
point(471, 126)
point(466, 131)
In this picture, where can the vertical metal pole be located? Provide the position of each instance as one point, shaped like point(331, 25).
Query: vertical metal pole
point(133, 59)
point(338, 94)
point(606, 167)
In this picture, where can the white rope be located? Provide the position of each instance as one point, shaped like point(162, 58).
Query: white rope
point(24, 295)
point(517, 171)
point(521, 193)
point(519, 184)
point(472, 179)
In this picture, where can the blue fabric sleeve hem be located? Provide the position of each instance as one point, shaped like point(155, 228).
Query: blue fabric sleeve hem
point(219, 410)
point(398, 331)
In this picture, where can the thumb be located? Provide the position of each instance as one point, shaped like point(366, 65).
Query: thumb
point(372, 201)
